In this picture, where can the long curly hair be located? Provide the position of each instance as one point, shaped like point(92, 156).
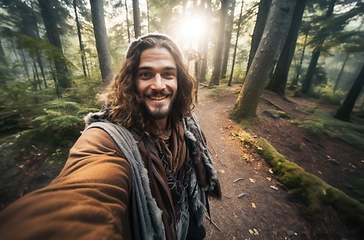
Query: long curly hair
point(124, 105)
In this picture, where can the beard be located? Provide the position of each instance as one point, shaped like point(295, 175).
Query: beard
point(161, 110)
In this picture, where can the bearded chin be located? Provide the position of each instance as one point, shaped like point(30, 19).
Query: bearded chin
point(158, 112)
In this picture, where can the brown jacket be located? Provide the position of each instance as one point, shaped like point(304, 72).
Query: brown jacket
point(88, 200)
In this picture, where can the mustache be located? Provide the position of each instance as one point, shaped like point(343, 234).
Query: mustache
point(154, 93)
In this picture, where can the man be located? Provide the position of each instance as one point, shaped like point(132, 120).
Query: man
point(140, 170)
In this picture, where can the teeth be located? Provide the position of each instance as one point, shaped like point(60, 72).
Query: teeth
point(157, 98)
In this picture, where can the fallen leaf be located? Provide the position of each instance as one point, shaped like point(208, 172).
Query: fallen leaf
point(252, 180)
point(238, 179)
point(242, 195)
point(352, 165)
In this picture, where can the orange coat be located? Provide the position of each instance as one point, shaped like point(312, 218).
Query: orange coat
point(88, 200)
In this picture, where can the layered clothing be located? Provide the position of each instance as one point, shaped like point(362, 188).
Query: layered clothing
point(120, 184)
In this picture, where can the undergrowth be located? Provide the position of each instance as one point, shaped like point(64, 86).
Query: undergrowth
point(323, 122)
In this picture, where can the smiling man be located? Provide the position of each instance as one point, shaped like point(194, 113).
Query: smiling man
point(157, 83)
point(141, 168)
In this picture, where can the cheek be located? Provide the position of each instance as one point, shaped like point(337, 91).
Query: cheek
point(174, 86)
point(140, 87)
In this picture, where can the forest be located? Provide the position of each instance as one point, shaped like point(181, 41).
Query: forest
point(58, 53)
point(57, 56)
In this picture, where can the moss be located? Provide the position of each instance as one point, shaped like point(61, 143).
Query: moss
point(323, 122)
point(315, 192)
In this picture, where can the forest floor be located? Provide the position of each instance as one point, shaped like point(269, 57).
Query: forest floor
point(255, 205)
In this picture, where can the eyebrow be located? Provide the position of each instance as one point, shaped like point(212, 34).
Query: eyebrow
point(150, 68)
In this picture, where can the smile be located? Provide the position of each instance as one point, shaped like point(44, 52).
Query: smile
point(158, 97)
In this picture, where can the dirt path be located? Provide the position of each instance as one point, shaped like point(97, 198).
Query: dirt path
point(254, 205)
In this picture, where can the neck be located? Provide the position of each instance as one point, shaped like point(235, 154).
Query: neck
point(161, 124)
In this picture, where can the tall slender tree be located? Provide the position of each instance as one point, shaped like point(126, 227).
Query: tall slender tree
point(344, 111)
point(204, 41)
point(50, 20)
point(306, 84)
point(264, 6)
point(278, 81)
point(236, 42)
point(266, 56)
point(136, 15)
point(102, 43)
point(215, 78)
point(82, 49)
point(228, 34)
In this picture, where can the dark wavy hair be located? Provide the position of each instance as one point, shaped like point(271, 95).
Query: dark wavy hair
point(124, 104)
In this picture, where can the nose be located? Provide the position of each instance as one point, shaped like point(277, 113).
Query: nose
point(158, 82)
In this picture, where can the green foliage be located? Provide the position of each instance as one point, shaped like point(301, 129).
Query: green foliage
point(327, 95)
point(85, 90)
point(325, 123)
point(62, 120)
point(357, 186)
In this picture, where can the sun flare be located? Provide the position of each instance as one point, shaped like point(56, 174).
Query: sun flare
point(190, 30)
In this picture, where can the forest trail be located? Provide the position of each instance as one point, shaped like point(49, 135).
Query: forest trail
point(254, 205)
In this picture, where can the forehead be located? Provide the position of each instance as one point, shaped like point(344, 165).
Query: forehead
point(156, 55)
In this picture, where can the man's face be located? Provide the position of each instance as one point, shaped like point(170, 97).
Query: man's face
point(157, 82)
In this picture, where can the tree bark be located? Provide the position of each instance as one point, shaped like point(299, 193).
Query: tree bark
point(307, 82)
point(215, 78)
point(54, 37)
point(270, 47)
point(82, 49)
point(136, 14)
point(102, 44)
point(228, 33)
point(298, 70)
point(205, 44)
point(341, 72)
point(236, 43)
point(344, 111)
point(278, 81)
point(262, 16)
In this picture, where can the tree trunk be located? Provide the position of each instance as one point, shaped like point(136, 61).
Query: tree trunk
point(127, 21)
point(102, 44)
point(228, 33)
point(267, 54)
point(236, 43)
point(264, 6)
point(205, 44)
point(136, 13)
point(341, 72)
point(278, 81)
point(295, 80)
point(54, 37)
point(82, 50)
point(215, 78)
point(344, 111)
point(306, 84)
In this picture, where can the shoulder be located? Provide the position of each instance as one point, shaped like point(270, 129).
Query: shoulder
point(96, 140)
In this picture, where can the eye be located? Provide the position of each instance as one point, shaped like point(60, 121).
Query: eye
point(169, 75)
point(145, 75)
